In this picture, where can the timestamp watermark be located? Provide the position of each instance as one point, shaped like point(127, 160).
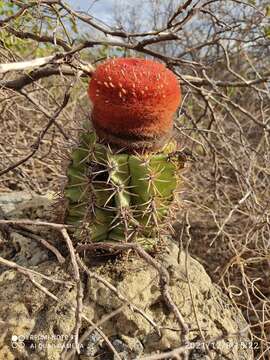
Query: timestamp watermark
point(40, 342)
point(230, 344)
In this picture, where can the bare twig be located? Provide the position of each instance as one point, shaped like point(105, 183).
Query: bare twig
point(37, 143)
point(118, 294)
point(79, 307)
point(163, 275)
point(45, 243)
point(29, 272)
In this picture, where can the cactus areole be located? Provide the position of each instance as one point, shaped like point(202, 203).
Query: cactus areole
point(115, 191)
point(134, 102)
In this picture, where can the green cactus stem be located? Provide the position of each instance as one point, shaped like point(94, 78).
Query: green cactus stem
point(118, 196)
point(124, 175)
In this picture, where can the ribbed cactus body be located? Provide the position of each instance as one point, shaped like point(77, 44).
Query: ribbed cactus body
point(117, 196)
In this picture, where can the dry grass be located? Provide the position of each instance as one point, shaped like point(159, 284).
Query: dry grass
point(227, 209)
point(22, 123)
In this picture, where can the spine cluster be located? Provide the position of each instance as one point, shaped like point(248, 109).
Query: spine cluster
point(116, 196)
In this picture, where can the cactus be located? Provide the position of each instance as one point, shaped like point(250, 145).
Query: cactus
point(124, 174)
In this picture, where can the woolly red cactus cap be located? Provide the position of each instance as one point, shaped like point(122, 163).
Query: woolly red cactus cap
point(134, 101)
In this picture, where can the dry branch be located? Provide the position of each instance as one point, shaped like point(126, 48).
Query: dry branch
point(35, 146)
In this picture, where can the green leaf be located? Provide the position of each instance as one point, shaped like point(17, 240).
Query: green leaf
point(267, 13)
point(267, 31)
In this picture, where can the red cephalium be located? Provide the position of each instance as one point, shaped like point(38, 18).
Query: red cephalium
point(134, 100)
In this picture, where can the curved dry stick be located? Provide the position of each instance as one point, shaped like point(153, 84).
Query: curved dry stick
point(163, 276)
point(116, 292)
point(79, 297)
point(29, 272)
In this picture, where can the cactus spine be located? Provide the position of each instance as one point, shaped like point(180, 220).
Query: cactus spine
point(122, 194)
